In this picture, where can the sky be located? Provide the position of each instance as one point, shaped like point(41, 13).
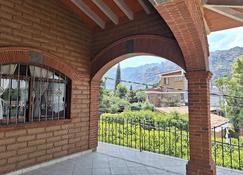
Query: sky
point(221, 40)
point(226, 39)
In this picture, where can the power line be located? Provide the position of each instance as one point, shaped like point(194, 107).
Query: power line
point(146, 84)
point(131, 82)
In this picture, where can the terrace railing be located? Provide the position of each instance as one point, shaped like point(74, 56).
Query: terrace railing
point(167, 137)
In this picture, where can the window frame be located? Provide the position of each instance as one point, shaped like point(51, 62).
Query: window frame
point(166, 81)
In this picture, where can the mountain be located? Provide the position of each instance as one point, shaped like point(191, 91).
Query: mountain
point(219, 63)
point(148, 73)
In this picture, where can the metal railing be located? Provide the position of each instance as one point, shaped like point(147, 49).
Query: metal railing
point(145, 134)
point(167, 137)
point(227, 151)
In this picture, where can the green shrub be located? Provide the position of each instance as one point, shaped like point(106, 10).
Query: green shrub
point(147, 106)
point(136, 106)
point(141, 96)
point(158, 118)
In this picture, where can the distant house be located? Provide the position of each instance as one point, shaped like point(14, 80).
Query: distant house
point(172, 90)
point(174, 80)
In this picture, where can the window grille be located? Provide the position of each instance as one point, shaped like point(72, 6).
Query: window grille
point(30, 93)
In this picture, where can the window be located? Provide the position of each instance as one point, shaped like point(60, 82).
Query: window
point(30, 93)
point(166, 81)
point(178, 78)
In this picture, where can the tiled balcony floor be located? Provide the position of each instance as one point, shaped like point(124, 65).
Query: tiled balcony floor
point(116, 160)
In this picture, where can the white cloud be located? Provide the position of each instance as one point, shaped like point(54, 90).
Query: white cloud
point(226, 39)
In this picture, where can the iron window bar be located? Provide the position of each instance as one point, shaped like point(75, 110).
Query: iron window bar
point(22, 90)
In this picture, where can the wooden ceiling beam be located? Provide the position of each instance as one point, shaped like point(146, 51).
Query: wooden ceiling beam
point(229, 12)
point(145, 7)
point(106, 10)
point(124, 8)
point(224, 3)
point(87, 11)
point(159, 2)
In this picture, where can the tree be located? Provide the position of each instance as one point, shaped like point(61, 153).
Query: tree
point(121, 91)
point(130, 88)
point(222, 84)
point(102, 88)
point(118, 76)
point(132, 96)
point(234, 87)
point(140, 95)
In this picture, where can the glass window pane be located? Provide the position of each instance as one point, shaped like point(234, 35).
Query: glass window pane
point(8, 69)
point(4, 100)
point(23, 99)
point(40, 72)
point(23, 70)
point(39, 100)
point(56, 102)
point(13, 100)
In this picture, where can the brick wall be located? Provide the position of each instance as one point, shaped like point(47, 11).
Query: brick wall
point(151, 24)
point(47, 26)
point(185, 20)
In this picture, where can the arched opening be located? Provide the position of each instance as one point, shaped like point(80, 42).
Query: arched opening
point(141, 130)
point(169, 49)
point(133, 46)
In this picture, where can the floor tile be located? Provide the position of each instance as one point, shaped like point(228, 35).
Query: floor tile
point(116, 160)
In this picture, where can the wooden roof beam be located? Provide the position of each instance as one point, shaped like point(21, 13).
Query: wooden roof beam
point(124, 8)
point(224, 3)
point(228, 12)
point(106, 10)
point(145, 7)
point(159, 2)
point(85, 9)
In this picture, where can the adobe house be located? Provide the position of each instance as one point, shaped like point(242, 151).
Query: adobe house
point(173, 80)
point(172, 89)
point(53, 54)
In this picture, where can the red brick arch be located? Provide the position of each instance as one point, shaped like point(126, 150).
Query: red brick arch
point(121, 50)
point(133, 46)
point(22, 55)
point(184, 17)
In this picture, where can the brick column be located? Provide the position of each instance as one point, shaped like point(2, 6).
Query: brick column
point(200, 162)
point(94, 114)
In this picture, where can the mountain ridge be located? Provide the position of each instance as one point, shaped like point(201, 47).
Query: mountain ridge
point(219, 62)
